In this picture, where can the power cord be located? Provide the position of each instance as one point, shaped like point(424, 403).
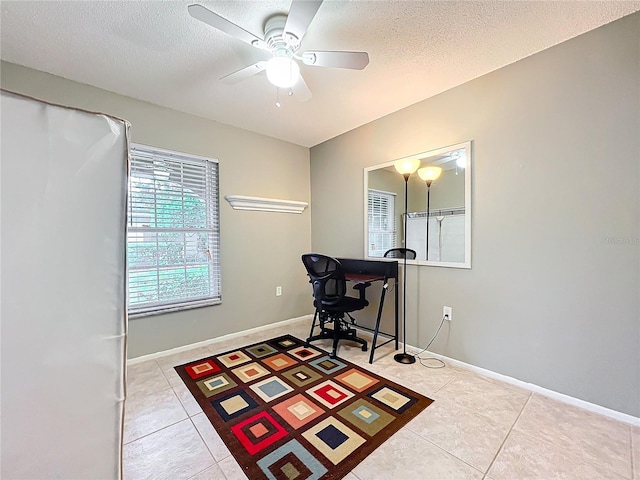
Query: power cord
point(417, 355)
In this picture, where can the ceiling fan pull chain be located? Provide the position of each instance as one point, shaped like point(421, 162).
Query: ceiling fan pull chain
point(277, 97)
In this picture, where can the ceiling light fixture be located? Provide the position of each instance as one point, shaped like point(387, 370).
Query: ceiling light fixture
point(282, 71)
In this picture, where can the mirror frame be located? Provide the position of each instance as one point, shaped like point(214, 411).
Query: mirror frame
point(467, 204)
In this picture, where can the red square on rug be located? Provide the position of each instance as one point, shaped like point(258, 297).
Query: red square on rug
point(258, 432)
point(202, 369)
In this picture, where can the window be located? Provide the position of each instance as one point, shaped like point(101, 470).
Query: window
point(173, 237)
point(382, 222)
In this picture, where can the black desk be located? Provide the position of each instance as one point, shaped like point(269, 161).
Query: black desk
point(358, 270)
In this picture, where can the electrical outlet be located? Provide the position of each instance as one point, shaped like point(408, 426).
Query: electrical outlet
point(278, 291)
point(447, 313)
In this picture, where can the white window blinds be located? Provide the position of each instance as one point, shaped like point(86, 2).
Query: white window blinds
point(382, 222)
point(173, 237)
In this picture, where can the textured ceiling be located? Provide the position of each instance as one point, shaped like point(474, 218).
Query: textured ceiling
point(155, 51)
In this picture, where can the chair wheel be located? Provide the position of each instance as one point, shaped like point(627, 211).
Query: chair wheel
point(364, 348)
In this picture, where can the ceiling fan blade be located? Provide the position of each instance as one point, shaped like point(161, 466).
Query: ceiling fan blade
point(216, 21)
point(300, 15)
point(352, 60)
point(244, 73)
point(301, 91)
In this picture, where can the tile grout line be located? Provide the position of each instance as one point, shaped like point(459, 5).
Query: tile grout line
point(205, 442)
point(357, 477)
point(633, 464)
point(584, 458)
point(215, 462)
point(578, 456)
point(175, 423)
point(439, 447)
point(483, 415)
point(202, 471)
point(480, 414)
point(162, 370)
point(455, 377)
point(155, 431)
point(495, 457)
point(138, 396)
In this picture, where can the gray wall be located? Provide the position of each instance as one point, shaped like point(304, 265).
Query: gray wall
point(552, 296)
point(259, 250)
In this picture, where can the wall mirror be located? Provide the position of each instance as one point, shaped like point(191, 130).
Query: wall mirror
point(438, 217)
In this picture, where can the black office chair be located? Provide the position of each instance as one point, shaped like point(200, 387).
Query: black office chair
point(400, 253)
point(331, 302)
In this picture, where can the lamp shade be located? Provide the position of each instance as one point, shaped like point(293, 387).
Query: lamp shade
point(429, 174)
point(283, 72)
point(407, 166)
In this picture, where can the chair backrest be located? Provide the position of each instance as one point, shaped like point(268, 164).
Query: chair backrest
point(327, 278)
point(400, 253)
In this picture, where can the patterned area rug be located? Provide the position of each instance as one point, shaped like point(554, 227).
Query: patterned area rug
point(289, 412)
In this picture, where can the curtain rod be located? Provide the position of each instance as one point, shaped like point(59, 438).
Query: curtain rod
point(437, 212)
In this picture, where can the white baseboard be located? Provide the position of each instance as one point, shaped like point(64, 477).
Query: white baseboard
point(204, 343)
point(592, 407)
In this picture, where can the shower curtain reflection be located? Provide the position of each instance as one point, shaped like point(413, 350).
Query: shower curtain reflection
point(446, 235)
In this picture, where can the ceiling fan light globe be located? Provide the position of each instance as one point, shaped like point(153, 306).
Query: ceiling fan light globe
point(283, 72)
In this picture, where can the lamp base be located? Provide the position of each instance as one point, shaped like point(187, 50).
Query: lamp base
point(404, 358)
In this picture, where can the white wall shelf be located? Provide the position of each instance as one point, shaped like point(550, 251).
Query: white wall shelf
point(241, 202)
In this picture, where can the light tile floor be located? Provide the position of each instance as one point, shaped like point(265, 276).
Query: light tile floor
point(477, 428)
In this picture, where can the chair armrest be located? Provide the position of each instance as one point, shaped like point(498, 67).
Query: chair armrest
point(362, 287)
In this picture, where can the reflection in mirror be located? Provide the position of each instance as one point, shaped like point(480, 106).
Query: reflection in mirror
point(441, 212)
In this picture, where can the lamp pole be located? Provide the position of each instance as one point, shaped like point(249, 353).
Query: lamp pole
point(429, 174)
point(404, 357)
point(405, 167)
point(428, 208)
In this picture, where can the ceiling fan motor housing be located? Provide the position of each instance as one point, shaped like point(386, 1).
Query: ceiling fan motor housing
point(281, 44)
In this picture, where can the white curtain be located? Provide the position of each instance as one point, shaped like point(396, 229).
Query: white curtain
point(446, 237)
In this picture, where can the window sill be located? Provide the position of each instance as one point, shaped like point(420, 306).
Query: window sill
point(173, 309)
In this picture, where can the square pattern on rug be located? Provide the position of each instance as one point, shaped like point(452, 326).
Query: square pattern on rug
point(287, 411)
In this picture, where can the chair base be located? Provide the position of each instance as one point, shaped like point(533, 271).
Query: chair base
point(340, 332)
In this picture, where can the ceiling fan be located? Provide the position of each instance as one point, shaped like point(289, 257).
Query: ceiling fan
point(282, 38)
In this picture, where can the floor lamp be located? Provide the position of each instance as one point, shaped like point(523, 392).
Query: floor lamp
point(405, 168)
point(429, 175)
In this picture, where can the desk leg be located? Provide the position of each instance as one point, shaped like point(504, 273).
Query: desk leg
point(395, 288)
point(375, 332)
